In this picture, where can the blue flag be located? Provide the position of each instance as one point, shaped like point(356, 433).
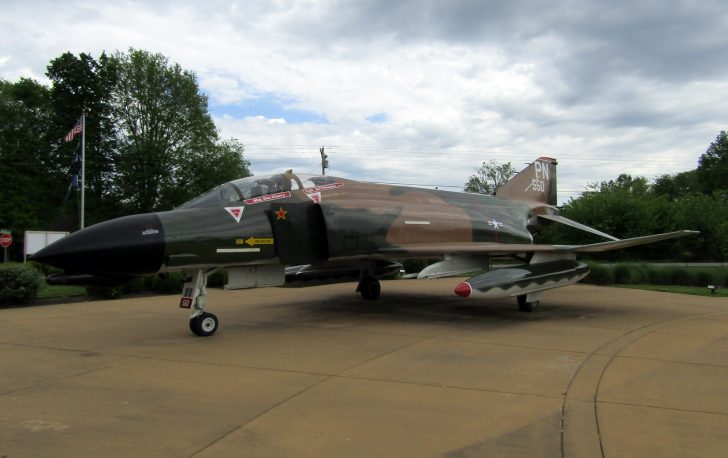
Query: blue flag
point(75, 169)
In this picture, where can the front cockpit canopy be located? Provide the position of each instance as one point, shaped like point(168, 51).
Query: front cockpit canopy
point(242, 189)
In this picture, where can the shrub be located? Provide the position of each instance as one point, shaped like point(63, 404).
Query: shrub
point(217, 278)
point(104, 292)
point(604, 274)
point(18, 284)
point(599, 275)
point(44, 268)
point(623, 274)
point(170, 283)
point(640, 274)
point(677, 275)
point(114, 292)
point(658, 276)
point(705, 278)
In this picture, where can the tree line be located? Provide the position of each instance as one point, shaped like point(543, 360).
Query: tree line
point(151, 143)
point(633, 206)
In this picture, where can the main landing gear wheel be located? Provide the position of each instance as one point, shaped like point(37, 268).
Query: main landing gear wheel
point(524, 305)
point(204, 324)
point(369, 288)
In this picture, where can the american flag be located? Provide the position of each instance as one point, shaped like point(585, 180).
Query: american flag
point(74, 131)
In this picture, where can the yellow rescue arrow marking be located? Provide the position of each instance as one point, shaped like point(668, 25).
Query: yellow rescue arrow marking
point(259, 241)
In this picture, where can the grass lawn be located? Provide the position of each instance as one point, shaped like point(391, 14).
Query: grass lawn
point(47, 291)
point(694, 290)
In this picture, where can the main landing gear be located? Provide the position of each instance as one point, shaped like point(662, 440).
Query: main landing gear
point(528, 302)
point(369, 288)
point(194, 292)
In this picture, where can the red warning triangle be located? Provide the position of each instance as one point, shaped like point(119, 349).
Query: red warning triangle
point(235, 212)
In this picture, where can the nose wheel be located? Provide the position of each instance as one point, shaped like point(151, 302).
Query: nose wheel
point(204, 324)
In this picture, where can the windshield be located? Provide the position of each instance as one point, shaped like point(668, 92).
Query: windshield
point(256, 189)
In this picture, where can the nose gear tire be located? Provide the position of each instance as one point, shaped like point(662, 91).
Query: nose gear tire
point(204, 324)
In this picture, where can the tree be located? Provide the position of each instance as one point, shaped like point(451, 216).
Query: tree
point(707, 215)
point(164, 127)
point(83, 84)
point(25, 168)
point(713, 167)
point(674, 187)
point(150, 141)
point(489, 177)
point(623, 183)
point(223, 163)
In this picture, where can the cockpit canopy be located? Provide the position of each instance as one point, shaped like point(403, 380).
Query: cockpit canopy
point(242, 189)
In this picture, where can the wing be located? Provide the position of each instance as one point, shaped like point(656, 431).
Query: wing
point(433, 249)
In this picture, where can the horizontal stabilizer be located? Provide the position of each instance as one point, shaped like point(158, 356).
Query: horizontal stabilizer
point(574, 224)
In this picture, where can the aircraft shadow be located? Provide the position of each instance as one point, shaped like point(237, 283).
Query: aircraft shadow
point(428, 308)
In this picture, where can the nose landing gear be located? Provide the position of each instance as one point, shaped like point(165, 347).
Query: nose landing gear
point(194, 292)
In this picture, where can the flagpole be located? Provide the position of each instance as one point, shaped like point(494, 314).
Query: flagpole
point(83, 165)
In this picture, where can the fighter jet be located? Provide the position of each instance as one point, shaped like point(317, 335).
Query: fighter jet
point(326, 227)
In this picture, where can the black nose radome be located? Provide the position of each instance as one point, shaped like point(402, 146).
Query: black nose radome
point(131, 245)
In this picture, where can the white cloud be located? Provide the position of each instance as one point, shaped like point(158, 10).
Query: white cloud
point(605, 89)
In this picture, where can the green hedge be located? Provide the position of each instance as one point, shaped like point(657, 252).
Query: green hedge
point(217, 278)
point(637, 274)
point(170, 283)
point(115, 292)
point(18, 284)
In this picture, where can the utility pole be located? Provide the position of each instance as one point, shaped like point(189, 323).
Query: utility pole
point(324, 161)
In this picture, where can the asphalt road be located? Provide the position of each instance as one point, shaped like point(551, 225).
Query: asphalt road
point(319, 372)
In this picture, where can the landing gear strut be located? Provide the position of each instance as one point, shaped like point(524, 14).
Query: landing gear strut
point(528, 302)
point(202, 323)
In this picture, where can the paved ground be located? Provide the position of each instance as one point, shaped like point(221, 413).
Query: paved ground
point(319, 372)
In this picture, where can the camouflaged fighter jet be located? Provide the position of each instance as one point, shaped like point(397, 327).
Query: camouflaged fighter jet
point(328, 227)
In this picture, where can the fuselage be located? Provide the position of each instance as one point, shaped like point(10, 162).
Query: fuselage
point(287, 219)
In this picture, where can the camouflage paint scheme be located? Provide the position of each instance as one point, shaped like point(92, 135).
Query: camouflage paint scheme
point(352, 220)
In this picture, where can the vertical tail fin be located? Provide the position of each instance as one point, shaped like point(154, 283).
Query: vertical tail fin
point(535, 183)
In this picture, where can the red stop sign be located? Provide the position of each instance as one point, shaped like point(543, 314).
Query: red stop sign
point(6, 239)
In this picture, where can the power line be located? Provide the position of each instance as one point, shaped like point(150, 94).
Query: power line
point(466, 152)
point(666, 159)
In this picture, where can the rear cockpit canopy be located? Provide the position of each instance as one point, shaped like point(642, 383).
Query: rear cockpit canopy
point(237, 191)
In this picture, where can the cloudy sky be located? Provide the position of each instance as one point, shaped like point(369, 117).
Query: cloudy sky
point(423, 91)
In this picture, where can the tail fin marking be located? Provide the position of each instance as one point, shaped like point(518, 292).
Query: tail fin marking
point(535, 183)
